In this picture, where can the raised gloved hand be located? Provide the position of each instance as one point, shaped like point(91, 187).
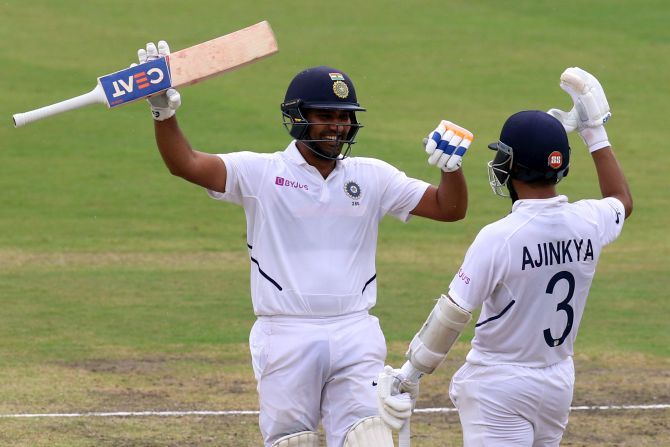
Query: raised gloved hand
point(396, 397)
point(163, 105)
point(590, 111)
point(446, 146)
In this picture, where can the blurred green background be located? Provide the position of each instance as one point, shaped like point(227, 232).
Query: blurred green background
point(103, 254)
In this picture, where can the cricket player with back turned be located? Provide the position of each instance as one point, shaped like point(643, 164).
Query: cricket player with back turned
point(312, 221)
point(531, 272)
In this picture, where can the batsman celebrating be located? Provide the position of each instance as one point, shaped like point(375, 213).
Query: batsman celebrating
point(312, 221)
point(531, 272)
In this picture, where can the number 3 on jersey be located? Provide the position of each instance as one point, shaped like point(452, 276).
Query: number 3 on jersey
point(563, 305)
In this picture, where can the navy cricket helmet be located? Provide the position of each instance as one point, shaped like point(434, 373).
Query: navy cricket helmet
point(533, 148)
point(319, 88)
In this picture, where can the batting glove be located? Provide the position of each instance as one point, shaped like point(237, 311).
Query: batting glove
point(165, 104)
point(396, 397)
point(446, 146)
point(591, 109)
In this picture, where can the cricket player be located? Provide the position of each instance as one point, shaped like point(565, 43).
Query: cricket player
point(530, 272)
point(312, 221)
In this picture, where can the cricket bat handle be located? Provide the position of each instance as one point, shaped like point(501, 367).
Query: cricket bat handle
point(97, 95)
point(404, 435)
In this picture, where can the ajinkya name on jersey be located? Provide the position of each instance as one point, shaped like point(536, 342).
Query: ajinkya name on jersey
point(557, 252)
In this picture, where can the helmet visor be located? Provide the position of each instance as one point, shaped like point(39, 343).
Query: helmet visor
point(499, 168)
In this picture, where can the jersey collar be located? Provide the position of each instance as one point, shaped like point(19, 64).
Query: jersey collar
point(527, 204)
point(293, 154)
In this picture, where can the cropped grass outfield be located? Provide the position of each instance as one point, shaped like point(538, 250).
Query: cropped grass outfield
point(105, 256)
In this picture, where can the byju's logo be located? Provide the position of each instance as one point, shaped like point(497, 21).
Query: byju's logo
point(281, 181)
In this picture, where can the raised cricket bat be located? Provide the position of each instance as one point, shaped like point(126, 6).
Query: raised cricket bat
point(185, 67)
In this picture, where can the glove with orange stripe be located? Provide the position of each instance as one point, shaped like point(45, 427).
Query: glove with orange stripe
point(165, 104)
point(447, 145)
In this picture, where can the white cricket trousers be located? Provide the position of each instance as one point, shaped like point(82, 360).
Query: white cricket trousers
point(508, 405)
point(316, 369)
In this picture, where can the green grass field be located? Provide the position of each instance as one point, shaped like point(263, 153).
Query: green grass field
point(125, 289)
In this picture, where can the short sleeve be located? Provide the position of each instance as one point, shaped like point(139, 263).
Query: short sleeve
point(609, 214)
point(241, 167)
point(402, 193)
point(483, 267)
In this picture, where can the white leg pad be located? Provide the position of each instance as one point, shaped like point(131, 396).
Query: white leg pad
point(301, 439)
point(369, 432)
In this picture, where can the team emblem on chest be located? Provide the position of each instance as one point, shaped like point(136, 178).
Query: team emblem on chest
point(353, 190)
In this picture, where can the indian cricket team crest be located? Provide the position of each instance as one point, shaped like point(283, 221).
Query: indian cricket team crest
point(353, 190)
point(340, 89)
point(555, 160)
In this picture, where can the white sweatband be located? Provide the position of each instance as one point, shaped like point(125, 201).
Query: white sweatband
point(410, 373)
point(595, 138)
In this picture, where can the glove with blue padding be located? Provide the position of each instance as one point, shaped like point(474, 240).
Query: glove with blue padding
point(165, 104)
point(446, 146)
point(590, 111)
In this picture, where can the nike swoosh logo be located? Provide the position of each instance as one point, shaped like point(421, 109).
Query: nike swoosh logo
point(617, 217)
point(374, 383)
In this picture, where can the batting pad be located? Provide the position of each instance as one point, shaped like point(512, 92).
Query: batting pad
point(369, 432)
point(301, 439)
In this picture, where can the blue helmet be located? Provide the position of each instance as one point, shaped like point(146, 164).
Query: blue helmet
point(319, 88)
point(533, 148)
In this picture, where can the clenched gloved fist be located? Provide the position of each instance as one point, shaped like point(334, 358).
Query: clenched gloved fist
point(163, 105)
point(396, 397)
point(590, 111)
point(446, 146)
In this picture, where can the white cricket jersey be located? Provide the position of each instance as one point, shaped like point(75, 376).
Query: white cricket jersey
point(312, 241)
point(531, 272)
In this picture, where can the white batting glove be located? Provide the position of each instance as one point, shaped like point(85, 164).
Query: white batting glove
point(590, 111)
point(165, 104)
point(446, 146)
point(396, 397)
